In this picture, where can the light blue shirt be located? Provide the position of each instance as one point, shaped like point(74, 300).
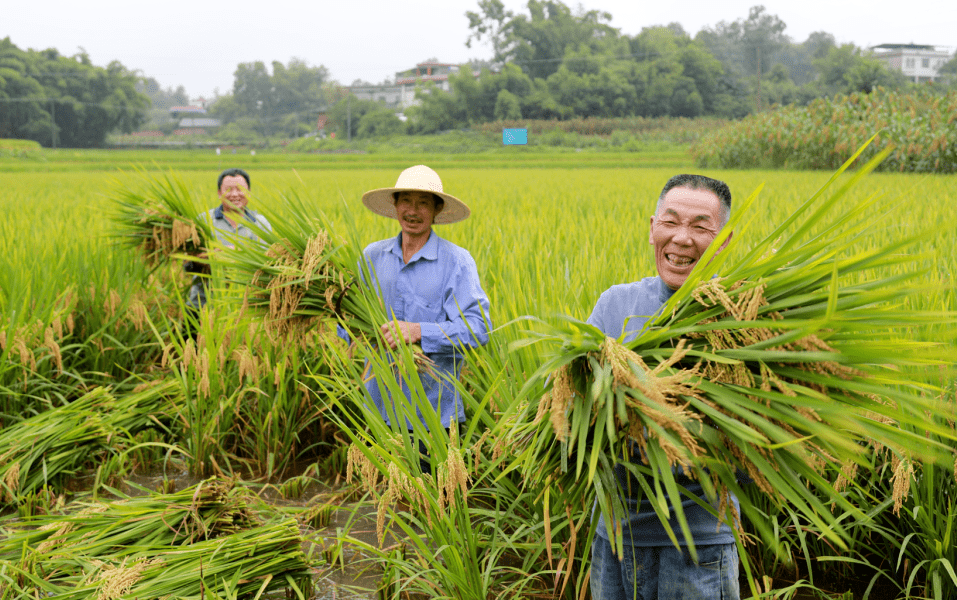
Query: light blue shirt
point(625, 309)
point(439, 288)
point(227, 235)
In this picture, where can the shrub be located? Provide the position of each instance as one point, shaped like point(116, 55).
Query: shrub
point(919, 125)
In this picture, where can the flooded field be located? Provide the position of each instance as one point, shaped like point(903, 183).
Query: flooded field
point(102, 385)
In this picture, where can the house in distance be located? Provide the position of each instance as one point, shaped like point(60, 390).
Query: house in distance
point(919, 63)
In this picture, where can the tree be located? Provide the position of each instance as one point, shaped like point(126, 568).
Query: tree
point(538, 41)
point(346, 114)
point(846, 69)
point(160, 98)
point(66, 101)
point(437, 110)
point(298, 86)
point(948, 71)
point(22, 111)
point(819, 43)
point(747, 46)
point(760, 36)
point(674, 74)
point(253, 90)
point(507, 106)
point(283, 101)
point(380, 122)
point(490, 24)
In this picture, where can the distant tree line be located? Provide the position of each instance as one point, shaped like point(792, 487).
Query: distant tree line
point(560, 64)
point(285, 102)
point(65, 100)
point(550, 62)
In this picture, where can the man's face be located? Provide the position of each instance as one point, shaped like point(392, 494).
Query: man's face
point(686, 224)
point(234, 193)
point(415, 211)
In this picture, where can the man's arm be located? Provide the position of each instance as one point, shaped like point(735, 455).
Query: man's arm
point(466, 308)
point(467, 311)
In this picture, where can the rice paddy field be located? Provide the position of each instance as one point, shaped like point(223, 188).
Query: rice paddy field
point(137, 463)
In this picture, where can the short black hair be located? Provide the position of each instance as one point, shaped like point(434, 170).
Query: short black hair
point(700, 182)
point(436, 199)
point(232, 173)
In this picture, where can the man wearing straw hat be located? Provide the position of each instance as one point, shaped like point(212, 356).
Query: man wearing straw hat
point(430, 287)
point(691, 212)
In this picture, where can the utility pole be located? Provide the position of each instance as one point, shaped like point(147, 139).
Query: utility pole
point(349, 118)
point(53, 123)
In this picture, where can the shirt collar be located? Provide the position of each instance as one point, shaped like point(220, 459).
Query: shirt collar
point(430, 251)
point(664, 292)
point(218, 214)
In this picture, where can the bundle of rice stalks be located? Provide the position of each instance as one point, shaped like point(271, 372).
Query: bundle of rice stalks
point(60, 442)
point(211, 509)
point(203, 542)
point(302, 276)
point(160, 219)
point(790, 367)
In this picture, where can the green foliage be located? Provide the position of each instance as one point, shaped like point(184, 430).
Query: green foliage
point(61, 442)
point(346, 115)
point(208, 541)
point(65, 101)
point(550, 230)
point(920, 127)
point(264, 104)
point(379, 123)
point(507, 106)
point(846, 69)
point(567, 72)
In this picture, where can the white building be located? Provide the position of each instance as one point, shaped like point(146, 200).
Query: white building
point(918, 63)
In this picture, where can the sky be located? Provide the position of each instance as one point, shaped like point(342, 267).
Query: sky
point(198, 45)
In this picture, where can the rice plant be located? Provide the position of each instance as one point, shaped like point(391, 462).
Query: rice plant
point(62, 442)
point(160, 218)
point(548, 235)
point(787, 367)
point(203, 542)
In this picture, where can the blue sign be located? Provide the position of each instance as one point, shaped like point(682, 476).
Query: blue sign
point(514, 137)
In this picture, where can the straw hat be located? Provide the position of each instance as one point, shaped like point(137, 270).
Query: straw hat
point(419, 178)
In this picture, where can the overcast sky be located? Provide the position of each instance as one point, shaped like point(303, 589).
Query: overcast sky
point(199, 44)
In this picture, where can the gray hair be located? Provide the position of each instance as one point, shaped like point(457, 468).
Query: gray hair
point(700, 182)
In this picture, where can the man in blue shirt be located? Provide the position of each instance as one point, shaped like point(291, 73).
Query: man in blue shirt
point(691, 211)
point(231, 220)
point(430, 287)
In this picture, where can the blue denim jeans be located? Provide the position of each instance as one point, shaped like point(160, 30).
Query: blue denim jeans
point(664, 573)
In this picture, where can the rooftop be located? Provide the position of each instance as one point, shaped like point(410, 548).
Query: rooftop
point(199, 110)
point(904, 47)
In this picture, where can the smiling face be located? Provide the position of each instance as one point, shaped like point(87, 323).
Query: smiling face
point(686, 224)
point(234, 193)
point(415, 211)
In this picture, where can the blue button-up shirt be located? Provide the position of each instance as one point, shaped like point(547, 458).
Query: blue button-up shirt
point(226, 234)
point(439, 288)
point(624, 309)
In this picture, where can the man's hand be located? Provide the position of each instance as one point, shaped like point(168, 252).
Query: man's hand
point(395, 331)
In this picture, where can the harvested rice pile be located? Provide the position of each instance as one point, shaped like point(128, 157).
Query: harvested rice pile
point(206, 541)
point(46, 449)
